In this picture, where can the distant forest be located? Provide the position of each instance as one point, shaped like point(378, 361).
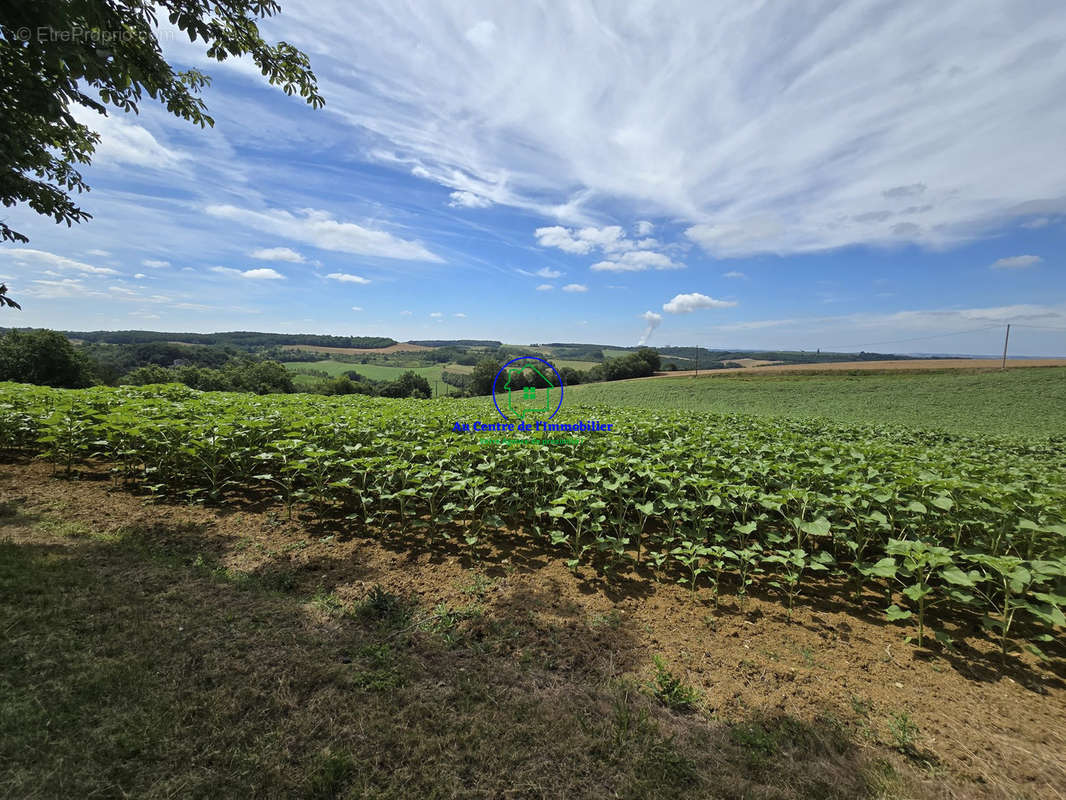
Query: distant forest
point(244, 340)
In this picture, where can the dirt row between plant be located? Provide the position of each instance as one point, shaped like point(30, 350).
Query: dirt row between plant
point(965, 728)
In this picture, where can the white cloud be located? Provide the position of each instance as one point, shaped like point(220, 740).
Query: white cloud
point(99, 252)
point(482, 34)
point(857, 109)
point(733, 274)
point(581, 241)
point(251, 274)
point(29, 257)
point(926, 330)
point(459, 314)
point(319, 229)
point(545, 287)
point(345, 277)
point(405, 313)
point(357, 308)
point(155, 263)
point(557, 236)
point(139, 275)
point(263, 273)
point(59, 289)
point(643, 228)
point(278, 254)
point(1016, 262)
point(436, 314)
point(623, 255)
point(575, 287)
point(543, 272)
point(468, 200)
point(1039, 222)
point(637, 261)
point(913, 190)
point(686, 303)
point(125, 143)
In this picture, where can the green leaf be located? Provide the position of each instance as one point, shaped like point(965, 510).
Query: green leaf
point(885, 568)
point(894, 613)
point(956, 576)
point(944, 639)
point(943, 502)
point(819, 527)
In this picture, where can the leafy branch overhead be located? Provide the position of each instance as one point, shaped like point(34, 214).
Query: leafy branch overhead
point(5, 300)
point(55, 54)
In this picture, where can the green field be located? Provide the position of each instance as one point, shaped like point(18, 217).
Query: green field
point(375, 372)
point(1026, 402)
point(564, 362)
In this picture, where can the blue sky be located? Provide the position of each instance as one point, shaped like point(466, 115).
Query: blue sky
point(883, 176)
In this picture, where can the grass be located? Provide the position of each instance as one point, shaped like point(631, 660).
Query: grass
point(128, 671)
point(1021, 402)
point(376, 372)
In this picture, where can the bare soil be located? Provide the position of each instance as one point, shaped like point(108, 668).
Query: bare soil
point(981, 731)
point(904, 365)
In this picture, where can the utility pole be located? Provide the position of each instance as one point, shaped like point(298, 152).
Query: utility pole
point(1005, 340)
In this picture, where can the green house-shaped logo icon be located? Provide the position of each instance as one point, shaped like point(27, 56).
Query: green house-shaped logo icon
point(529, 400)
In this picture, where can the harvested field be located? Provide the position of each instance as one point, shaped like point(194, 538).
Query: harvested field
point(903, 365)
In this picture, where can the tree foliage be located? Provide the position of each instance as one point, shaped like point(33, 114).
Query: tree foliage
point(101, 54)
point(5, 300)
point(482, 377)
point(239, 375)
point(44, 357)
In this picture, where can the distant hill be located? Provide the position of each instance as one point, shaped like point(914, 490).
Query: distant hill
point(246, 340)
point(456, 342)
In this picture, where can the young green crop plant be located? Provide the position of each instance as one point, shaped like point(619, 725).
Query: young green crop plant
point(918, 571)
point(577, 509)
point(1012, 585)
point(691, 556)
point(791, 566)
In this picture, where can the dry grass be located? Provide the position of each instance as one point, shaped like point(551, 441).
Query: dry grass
point(134, 665)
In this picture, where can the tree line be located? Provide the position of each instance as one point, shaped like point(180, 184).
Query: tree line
point(48, 358)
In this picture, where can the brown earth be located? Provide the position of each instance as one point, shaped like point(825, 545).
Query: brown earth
point(981, 731)
point(903, 365)
point(399, 347)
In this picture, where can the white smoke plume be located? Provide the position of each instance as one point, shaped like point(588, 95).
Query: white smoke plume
point(653, 321)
